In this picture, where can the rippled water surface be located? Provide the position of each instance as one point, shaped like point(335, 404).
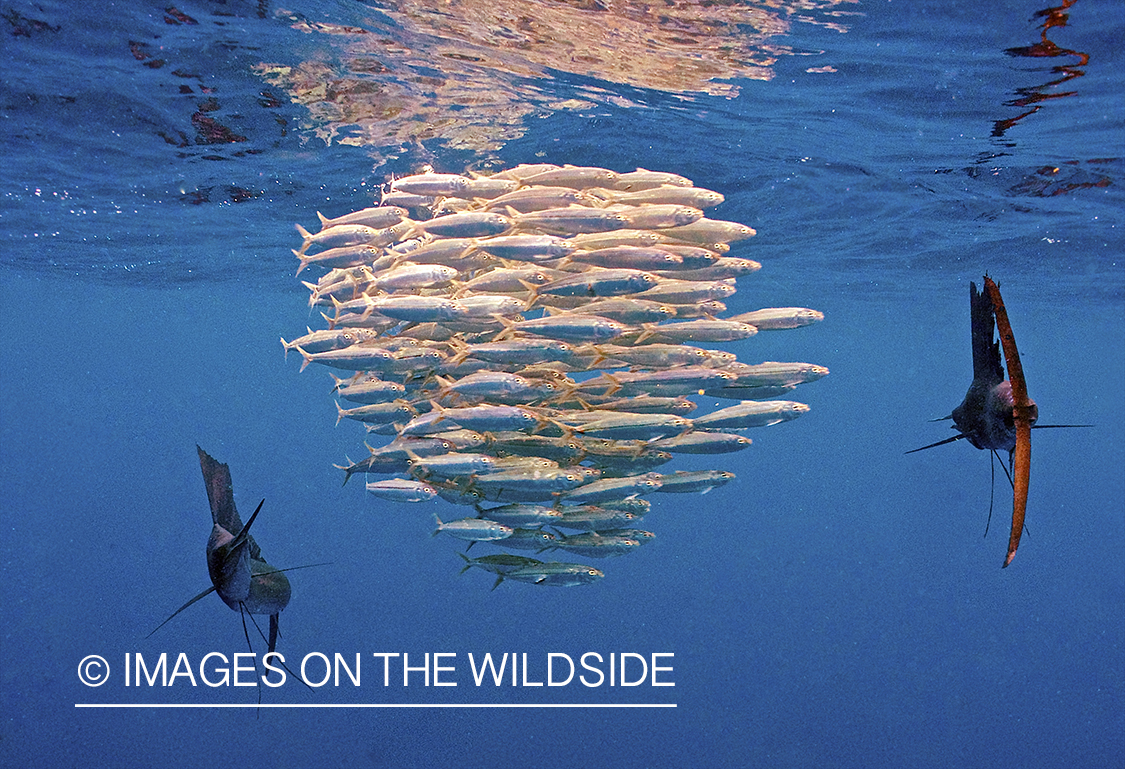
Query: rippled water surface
point(836, 605)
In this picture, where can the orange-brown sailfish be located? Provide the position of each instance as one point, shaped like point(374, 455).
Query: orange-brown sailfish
point(996, 412)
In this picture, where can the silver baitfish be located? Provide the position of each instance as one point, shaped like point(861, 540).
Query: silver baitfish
point(533, 344)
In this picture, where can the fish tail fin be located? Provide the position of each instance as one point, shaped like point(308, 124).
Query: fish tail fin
point(314, 293)
point(445, 386)
point(307, 236)
point(323, 219)
point(532, 294)
point(509, 329)
point(304, 259)
point(462, 352)
point(647, 330)
point(439, 525)
point(308, 358)
point(339, 413)
point(286, 346)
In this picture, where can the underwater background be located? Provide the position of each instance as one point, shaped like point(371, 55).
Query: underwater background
point(835, 605)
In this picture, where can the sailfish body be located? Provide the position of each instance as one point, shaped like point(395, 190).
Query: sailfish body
point(239, 573)
point(985, 415)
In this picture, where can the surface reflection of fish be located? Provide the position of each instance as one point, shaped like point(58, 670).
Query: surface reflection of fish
point(239, 573)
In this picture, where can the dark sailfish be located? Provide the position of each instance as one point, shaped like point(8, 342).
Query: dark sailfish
point(239, 573)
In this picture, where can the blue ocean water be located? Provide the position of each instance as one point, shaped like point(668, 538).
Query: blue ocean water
point(836, 605)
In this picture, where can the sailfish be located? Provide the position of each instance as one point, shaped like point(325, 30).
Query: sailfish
point(239, 573)
point(997, 413)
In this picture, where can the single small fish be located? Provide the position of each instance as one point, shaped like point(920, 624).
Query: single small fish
point(451, 465)
point(578, 177)
point(343, 256)
point(645, 460)
point(571, 220)
point(666, 194)
point(378, 217)
point(488, 305)
point(709, 231)
point(776, 318)
point(703, 443)
point(507, 280)
point(473, 529)
point(408, 276)
point(487, 188)
point(659, 216)
point(523, 171)
point(417, 309)
point(612, 488)
point(431, 184)
point(521, 444)
point(357, 357)
point(682, 380)
point(402, 490)
point(377, 413)
point(323, 340)
point(630, 257)
point(340, 236)
point(775, 374)
point(407, 200)
point(569, 328)
point(656, 355)
point(368, 388)
point(643, 179)
point(528, 199)
point(597, 545)
point(449, 251)
point(549, 481)
point(724, 268)
point(529, 539)
point(601, 282)
point(523, 514)
point(557, 574)
point(518, 351)
point(624, 310)
point(673, 291)
point(630, 426)
point(526, 248)
point(467, 224)
point(689, 482)
point(750, 414)
point(595, 517)
point(499, 564)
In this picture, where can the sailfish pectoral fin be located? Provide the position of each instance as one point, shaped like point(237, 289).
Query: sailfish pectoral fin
point(206, 592)
point(957, 437)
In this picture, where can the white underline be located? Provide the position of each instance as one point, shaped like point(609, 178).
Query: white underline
point(381, 705)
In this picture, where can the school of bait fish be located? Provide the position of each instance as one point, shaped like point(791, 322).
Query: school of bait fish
point(524, 348)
